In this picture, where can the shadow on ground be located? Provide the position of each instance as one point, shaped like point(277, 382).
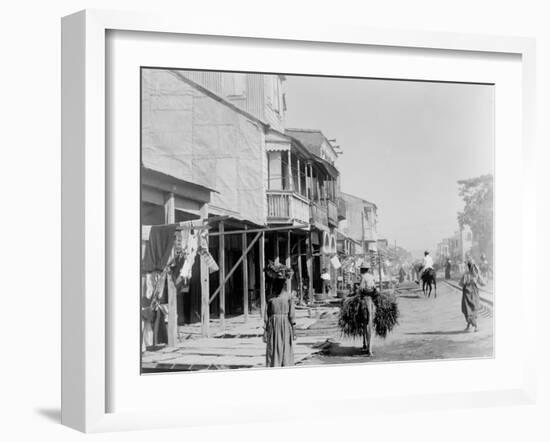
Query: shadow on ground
point(51, 414)
point(438, 332)
point(337, 349)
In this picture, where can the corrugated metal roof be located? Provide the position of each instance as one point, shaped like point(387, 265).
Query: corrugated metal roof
point(357, 198)
point(312, 139)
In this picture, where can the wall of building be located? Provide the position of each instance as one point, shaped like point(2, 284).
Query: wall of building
point(189, 135)
point(352, 226)
point(258, 94)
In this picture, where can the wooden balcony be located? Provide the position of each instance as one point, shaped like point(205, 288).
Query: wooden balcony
point(286, 207)
point(341, 203)
point(319, 213)
point(332, 213)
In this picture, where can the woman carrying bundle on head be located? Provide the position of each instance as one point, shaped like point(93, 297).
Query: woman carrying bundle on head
point(279, 319)
point(470, 282)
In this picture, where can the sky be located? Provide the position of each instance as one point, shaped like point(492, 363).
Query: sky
point(405, 145)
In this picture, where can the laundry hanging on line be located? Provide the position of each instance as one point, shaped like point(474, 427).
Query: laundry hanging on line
point(159, 247)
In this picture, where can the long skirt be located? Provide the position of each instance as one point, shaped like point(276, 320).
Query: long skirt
point(470, 303)
point(280, 343)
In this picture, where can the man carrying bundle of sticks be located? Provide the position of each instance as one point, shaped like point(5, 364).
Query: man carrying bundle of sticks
point(368, 309)
point(368, 287)
point(368, 283)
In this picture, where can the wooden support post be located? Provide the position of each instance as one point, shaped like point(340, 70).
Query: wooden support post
point(380, 269)
point(235, 266)
point(318, 184)
point(276, 246)
point(222, 276)
point(309, 264)
point(170, 209)
point(156, 325)
point(300, 288)
point(299, 176)
point(290, 183)
point(310, 180)
point(172, 330)
point(288, 262)
point(172, 312)
point(245, 278)
point(205, 284)
point(262, 275)
point(363, 244)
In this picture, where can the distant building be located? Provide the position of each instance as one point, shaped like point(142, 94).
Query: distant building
point(361, 221)
point(456, 247)
point(316, 142)
point(443, 251)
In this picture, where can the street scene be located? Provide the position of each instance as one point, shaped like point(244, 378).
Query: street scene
point(296, 221)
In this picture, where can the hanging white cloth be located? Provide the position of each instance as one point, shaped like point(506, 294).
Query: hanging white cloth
point(189, 251)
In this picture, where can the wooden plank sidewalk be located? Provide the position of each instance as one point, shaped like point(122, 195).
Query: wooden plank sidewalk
point(239, 346)
point(225, 353)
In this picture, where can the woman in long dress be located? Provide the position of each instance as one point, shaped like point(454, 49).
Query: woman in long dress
point(470, 282)
point(448, 269)
point(279, 320)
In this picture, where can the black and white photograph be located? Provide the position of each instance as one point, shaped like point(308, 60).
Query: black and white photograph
point(319, 221)
point(301, 220)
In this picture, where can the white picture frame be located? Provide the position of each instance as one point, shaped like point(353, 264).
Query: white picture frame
point(85, 350)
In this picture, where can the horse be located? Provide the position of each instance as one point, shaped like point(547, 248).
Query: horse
point(428, 278)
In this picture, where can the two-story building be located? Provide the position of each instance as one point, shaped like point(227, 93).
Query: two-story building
point(361, 221)
point(358, 235)
point(456, 247)
point(315, 163)
point(224, 133)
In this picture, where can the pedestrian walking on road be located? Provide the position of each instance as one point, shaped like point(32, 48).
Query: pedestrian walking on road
point(325, 279)
point(402, 274)
point(279, 319)
point(448, 269)
point(470, 282)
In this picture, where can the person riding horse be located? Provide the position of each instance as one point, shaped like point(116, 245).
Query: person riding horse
point(427, 263)
point(427, 274)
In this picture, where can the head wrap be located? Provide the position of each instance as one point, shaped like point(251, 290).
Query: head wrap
point(277, 271)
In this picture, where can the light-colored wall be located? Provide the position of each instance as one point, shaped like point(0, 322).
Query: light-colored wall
point(352, 226)
point(275, 170)
point(327, 152)
point(258, 94)
point(191, 136)
point(273, 101)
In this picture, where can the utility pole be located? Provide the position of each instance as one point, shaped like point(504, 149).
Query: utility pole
point(380, 268)
point(363, 235)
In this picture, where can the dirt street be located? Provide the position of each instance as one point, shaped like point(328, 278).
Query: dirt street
point(428, 329)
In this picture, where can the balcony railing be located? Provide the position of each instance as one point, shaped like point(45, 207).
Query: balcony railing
point(319, 213)
point(332, 213)
point(342, 213)
point(285, 206)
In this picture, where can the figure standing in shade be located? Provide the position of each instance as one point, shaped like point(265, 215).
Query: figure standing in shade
point(325, 279)
point(402, 274)
point(279, 319)
point(448, 269)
